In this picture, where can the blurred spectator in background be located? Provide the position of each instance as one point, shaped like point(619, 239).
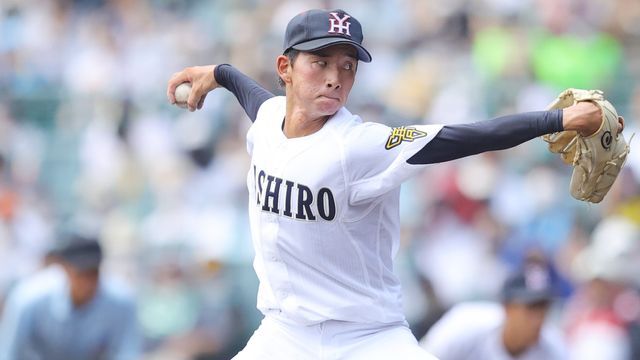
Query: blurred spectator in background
point(490, 331)
point(68, 311)
point(603, 316)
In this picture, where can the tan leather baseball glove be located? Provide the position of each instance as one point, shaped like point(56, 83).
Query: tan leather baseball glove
point(598, 158)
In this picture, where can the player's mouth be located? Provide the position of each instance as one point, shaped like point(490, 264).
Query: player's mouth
point(330, 97)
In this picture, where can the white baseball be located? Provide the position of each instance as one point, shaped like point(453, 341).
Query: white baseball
point(182, 94)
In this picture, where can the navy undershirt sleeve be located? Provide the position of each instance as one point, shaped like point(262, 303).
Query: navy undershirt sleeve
point(457, 141)
point(249, 93)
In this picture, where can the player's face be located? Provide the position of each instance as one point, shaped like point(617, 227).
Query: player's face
point(82, 284)
point(527, 320)
point(320, 81)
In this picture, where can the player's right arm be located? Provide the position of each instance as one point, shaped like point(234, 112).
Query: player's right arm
point(204, 79)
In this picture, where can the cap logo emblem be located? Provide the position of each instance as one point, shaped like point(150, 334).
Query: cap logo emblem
point(339, 25)
point(536, 279)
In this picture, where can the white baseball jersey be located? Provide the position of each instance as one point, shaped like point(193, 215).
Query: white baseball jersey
point(324, 214)
point(473, 331)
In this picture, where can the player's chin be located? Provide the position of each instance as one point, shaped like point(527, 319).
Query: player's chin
point(329, 106)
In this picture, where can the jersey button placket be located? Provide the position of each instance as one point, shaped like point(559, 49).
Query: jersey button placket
point(276, 269)
point(272, 219)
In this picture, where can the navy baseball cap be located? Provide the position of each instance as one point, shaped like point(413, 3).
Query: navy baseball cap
point(83, 253)
point(529, 286)
point(318, 29)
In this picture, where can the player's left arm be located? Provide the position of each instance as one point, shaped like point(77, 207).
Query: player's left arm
point(457, 141)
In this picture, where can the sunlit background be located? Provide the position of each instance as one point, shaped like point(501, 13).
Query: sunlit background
point(88, 140)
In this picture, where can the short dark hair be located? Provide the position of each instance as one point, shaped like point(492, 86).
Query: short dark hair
point(292, 54)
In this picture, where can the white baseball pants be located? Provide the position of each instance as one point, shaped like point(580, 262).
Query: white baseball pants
point(332, 340)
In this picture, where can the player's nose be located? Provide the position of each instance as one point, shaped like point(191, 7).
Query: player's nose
point(332, 79)
point(333, 85)
point(333, 82)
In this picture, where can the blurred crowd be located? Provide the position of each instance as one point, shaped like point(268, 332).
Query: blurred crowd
point(88, 140)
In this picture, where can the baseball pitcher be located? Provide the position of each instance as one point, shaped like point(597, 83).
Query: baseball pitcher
point(324, 192)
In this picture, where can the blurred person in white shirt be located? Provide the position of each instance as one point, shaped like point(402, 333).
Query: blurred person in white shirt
point(603, 316)
point(69, 310)
point(514, 329)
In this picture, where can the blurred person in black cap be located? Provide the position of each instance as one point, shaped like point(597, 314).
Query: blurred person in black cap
point(69, 311)
point(514, 329)
point(325, 190)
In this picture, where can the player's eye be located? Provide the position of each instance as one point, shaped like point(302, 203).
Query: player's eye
point(348, 66)
point(321, 63)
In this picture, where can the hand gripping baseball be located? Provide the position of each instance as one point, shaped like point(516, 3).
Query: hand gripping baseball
point(202, 81)
point(592, 142)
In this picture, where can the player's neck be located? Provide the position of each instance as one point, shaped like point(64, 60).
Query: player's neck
point(297, 123)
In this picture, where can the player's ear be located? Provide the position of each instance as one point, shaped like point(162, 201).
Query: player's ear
point(283, 67)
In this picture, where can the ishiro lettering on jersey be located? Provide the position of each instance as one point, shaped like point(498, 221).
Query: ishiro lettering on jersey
point(298, 199)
